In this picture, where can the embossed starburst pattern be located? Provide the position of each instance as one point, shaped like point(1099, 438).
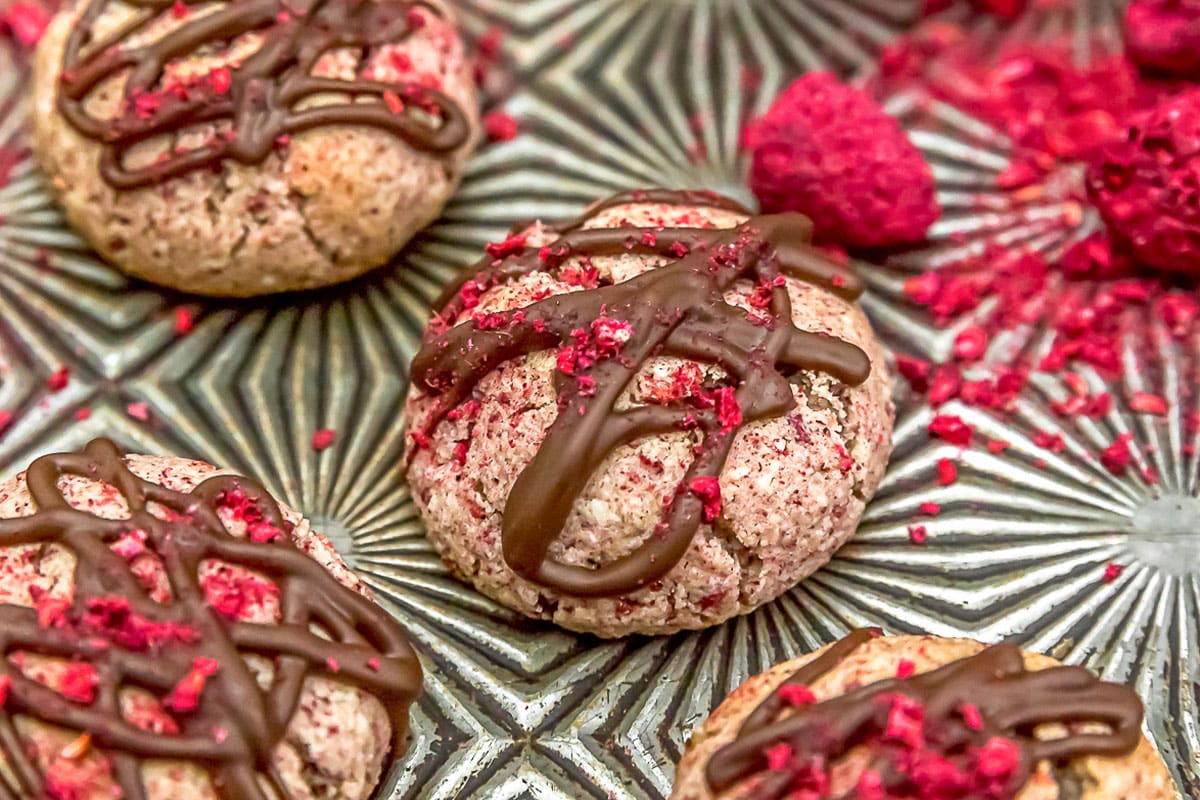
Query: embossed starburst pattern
point(611, 94)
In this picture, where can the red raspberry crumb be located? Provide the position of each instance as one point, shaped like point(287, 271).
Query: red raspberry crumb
point(332, 664)
point(183, 321)
point(323, 438)
point(1112, 571)
point(511, 245)
point(972, 717)
point(870, 786)
point(1117, 456)
point(236, 593)
point(1147, 185)
point(951, 428)
point(393, 101)
point(905, 668)
point(778, 756)
point(829, 151)
point(915, 371)
point(5, 685)
point(1054, 442)
point(77, 682)
point(1148, 403)
point(795, 694)
point(220, 79)
point(930, 508)
point(947, 472)
point(997, 445)
point(179, 10)
point(6, 418)
point(729, 411)
point(186, 694)
point(970, 343)
point(138, 411)
point(708, 489)
point(998, 758)
point(59, 379)
point(918, 534)
point(25, 21)
point(1164, 35)
point(906, 721)
point(500, 126)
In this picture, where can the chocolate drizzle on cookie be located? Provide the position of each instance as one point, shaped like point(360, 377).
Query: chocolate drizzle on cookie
point(969, 724)
point(267, 95)
point(232, 725)
point(675, 310)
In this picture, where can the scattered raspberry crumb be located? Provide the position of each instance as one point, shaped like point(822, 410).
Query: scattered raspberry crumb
point(708, 489)
point(795, 694)
point(918, 534)
point(58, 379)
point(500, 126)
point(393, 101)
point(1148, 403)
point(1054, 442)
point(931, 508)
point(139, 411)
point(6, 419)
point(185, 696)
point(905, 668)
point(25, 21)
point(1112, 571)
point(183, 321)
point(970, 343)
point(829, 151)
point(322, 439)
point(779, 755)
point(1117, 456)
point(947, 472)
point(952, 429)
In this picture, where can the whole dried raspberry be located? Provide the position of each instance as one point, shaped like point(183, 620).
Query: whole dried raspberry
point(829, 151)
point(1164, 35)
point(1147, 185)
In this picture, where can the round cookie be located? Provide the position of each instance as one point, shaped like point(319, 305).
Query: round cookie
point(194, 154)
point(911, 717)
point(146, 605)
point(655, 418)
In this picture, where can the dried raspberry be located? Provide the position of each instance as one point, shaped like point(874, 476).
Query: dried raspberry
point(185, 696)
point(905, 668)
point(183, 321)
point(729, 412)
point(77, 682)
point(870, 786)
point(1148, 403)
point(795, 694)
point(998, 759)
point(918, 534)
point(905, 720)
point(970, 343)
point(952, 429)
point(1147, 185)
point(1164, 35)
point(238, 594)
point(509, 246)
point(830, 152)
point(322, 439)
point(25, 21)
point(6, 418)
point(1112, 571)
point(58, 379)
point(947, 472)
point(1053, 442)
point(1117, 456)
point(708, 489)
point(393, 102)
point(500, 127)
point(930, 508)
point(945, 386)
point(778, 756)
point(220, 79)
point(971, 715)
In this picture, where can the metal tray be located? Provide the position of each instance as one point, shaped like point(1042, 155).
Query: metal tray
point(612, 94)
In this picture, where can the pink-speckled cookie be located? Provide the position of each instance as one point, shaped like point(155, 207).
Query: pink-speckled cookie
point(923, 718)
point(250, 147)
point(173, 634)
point(658, 417)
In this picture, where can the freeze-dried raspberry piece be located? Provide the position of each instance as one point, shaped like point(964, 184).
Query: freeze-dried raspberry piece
point(1164, 35)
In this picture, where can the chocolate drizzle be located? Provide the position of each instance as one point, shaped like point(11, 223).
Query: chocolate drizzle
point(676, 310)
point(262, 98)
point(1011, 702)
point(235, 725)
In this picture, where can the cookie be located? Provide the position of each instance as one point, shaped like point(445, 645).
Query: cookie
point(253, 147)
point(908, 717)
point(654, 418)
point(172, 632)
